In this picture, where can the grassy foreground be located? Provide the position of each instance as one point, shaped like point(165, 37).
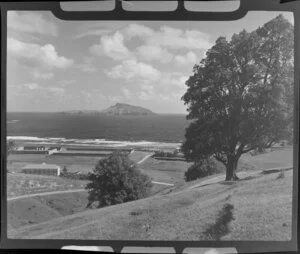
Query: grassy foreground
point(256, 208)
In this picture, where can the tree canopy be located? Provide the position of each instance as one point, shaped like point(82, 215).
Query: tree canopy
point(115, 180)
point(240, 96)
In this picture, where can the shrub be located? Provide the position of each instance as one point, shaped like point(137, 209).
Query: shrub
point(65, 170)
point(74, 176)
point(115, 180)
point(203, 168)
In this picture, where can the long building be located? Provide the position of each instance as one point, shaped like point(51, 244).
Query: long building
point(41, 169)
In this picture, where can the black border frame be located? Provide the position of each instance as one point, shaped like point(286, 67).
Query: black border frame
point(180, 14)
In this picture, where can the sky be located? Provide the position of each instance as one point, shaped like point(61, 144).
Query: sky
point(56, 65)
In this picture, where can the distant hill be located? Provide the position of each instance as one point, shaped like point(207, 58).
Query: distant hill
point(121, 109)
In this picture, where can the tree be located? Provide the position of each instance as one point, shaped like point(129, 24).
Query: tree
point(10, 146)
point(65, 170)
point(115, 180)
point(240, 96)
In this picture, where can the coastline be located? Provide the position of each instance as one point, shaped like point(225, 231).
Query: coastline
point(101, 143)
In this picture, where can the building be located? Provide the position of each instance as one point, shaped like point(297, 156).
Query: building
point(41, 169)
point(36, 148)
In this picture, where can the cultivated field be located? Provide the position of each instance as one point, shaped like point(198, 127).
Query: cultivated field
point(24, 184)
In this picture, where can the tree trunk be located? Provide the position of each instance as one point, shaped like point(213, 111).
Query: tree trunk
point(231, 169)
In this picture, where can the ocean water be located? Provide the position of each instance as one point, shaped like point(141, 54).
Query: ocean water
point(96, 129)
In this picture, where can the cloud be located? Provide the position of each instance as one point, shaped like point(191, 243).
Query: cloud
point(179, 39)
point(134, 70)
point(127, 94)
point(112, 46)
point(45, 55)
point(188, 58)
point(40, 74)
point(92, 32)
point(37, 87)
point(150, 52)
point(169, 37)
point(32, 86)
point(87, 65)
point(153, 44)
point(30, 22)
point(137, 30)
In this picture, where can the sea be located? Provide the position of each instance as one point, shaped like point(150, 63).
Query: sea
point(99, 130)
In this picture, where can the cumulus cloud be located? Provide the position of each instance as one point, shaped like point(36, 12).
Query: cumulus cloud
point(32, 86)
point(112, 46)
point(152, 44)
point(30, 22)
point(151, 52)
point(137, 30)
point(35, 86)
point(178, 39)
point(45, 55)
point(87, 65)
point(170, 37)
point(40, 74)
point(134, 70)
point(127, 94)
point(92, 32)
point(188, 58)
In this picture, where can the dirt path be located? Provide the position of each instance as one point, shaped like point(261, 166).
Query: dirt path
point(145, 158)
point(45, 194)
point(167, 184)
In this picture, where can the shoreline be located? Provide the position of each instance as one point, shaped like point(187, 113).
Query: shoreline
point(96, 143)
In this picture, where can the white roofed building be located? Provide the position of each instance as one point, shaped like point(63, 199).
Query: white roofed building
point(41, 169)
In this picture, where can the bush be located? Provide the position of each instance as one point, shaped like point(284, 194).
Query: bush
point(74, 176)
point(115, 180)
point(203, 168)
point(165, 154)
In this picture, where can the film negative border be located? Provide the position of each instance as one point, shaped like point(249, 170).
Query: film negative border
point(180, 14)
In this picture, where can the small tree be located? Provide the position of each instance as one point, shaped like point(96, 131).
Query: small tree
point(65, 170)
point(115, 180)
point(10, 146)
point(240, 96)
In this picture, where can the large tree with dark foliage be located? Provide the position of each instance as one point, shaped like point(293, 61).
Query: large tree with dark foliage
point(115, 180)
point(240, 96)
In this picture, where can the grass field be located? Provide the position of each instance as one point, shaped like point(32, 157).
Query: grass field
point(23, 212)
point(165, 171)
point(261, 210)
point(259, 206)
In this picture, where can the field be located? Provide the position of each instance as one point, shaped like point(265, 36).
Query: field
point(190, 214)
point(187, 211)
point(165, 171)
point(23, 212)
point(73, 163)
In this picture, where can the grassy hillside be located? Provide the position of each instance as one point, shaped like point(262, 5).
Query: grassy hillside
point(256, 208)
point(22, 212)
